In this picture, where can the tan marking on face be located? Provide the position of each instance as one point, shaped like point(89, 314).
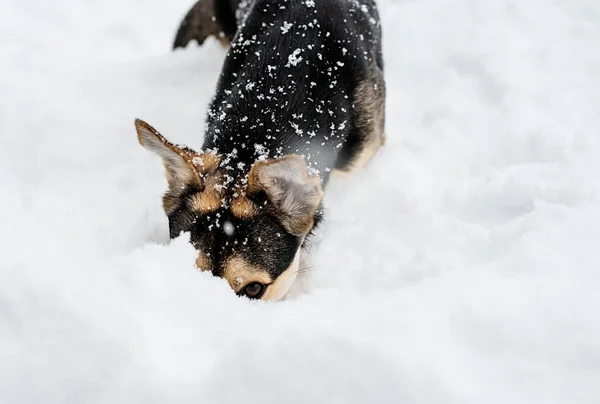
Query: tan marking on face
point(243, 208)
point(205, 202)
point(282, 285)
point(203, 263)
point(211, 198)
point(239, 273)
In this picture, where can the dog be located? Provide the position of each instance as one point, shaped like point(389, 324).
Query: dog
point(301, 96)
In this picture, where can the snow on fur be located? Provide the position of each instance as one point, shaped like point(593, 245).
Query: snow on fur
point(461, 266)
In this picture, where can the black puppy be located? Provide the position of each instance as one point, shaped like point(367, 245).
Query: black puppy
point(301, 95)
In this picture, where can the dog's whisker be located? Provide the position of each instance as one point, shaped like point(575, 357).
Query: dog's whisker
point(308, 269)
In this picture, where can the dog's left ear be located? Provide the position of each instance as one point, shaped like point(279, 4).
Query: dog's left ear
point(294, 193)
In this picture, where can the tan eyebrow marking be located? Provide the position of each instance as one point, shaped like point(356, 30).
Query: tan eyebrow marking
point(243, 208)
point(206, 202)
point(211, 198)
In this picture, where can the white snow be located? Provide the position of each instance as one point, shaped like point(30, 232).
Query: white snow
point(461, 266)
point(285, 28)
point(294, 58)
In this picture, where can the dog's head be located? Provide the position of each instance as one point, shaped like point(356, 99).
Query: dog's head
point(247, 229)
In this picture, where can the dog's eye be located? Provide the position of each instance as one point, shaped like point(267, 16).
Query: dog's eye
point(254, 290)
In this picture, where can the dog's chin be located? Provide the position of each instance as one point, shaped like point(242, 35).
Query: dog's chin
point(282, 285)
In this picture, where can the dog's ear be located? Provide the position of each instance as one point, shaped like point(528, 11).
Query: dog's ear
point(295, 195)
point(178, 162)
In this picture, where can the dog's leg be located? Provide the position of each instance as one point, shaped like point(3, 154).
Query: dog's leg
point(206, 18)
point(369, 99)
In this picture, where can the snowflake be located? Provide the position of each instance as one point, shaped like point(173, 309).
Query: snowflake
point(286, 27)
point(294, 58)
point(228, 228)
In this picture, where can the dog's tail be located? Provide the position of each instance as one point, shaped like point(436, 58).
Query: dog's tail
point(206, 18)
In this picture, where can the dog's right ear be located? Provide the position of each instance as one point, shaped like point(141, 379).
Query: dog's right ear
point(294, 193)
point(179, 162)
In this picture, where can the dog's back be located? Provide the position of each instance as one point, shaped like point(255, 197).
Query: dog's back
point(302, 77)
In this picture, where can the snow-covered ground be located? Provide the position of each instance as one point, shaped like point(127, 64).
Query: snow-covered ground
point(461, 266)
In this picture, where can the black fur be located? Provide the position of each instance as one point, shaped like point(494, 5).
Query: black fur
point(260, 240)
point(307, 109)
